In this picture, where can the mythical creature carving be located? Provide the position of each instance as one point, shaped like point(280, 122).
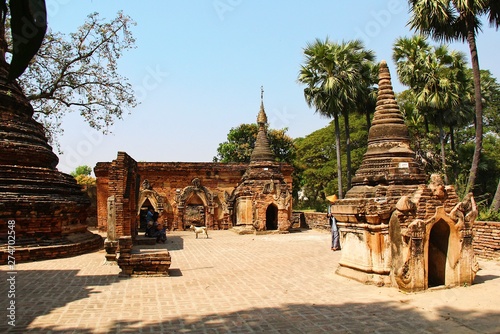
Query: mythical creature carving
point(146, 185)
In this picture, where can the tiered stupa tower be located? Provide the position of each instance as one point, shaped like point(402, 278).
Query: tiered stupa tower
point(395, 229)
point(262, 201)
point(42, 206)
point(389, 158)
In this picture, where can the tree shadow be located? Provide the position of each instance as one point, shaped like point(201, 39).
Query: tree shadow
point(53, 289)
point(377, 317)
point(173, 243)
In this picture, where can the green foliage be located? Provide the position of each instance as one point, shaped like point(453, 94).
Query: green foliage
point(81, 170)
point(459, 152)
point(446, 20)
point(489, 215)
point(316, 158)
point(339, 80)
point(490, 91)
point(438, 83)
point(486, 213)
point(85, 180)
point(241, 142)
point(335, 75)
point(82, 175)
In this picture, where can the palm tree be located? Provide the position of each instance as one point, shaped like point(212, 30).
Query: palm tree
point(438, 79)
point(336, 75)
point(451, 20)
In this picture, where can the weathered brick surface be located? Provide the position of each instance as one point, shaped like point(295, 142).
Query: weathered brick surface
point(71, 245)
point(486, 240)
point(169, 180)
point(91, 191)
point(316, 220)
point(37, 202)
point(136, 261)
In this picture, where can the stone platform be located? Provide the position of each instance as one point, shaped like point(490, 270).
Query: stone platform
point(33, 249)
point(139, 261)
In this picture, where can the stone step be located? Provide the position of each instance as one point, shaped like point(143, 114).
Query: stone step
point(143, 240)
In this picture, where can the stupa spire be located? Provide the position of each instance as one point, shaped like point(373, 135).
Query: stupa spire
point(389, 158)
point(262, 150)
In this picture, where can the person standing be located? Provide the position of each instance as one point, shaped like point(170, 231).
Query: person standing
point(333, 226)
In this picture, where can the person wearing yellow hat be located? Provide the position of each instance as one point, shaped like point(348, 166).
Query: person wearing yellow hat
point(333, 224)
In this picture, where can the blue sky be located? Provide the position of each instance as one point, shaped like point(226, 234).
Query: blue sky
point(199, 65)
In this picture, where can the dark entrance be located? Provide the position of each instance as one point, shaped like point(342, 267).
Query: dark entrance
point(272, 217)
point(438, 253)
point(142, 214)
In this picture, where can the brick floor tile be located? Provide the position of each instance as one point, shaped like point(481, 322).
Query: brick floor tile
point(229, 283)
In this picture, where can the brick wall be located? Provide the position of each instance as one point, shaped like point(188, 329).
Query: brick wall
point(486, 240)
point(91, 191)
point(167, 178)
point(316, 220)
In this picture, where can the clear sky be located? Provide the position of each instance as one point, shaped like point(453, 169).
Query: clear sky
point(199, 65)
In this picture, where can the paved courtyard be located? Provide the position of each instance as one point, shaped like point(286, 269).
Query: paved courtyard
point(239, 284)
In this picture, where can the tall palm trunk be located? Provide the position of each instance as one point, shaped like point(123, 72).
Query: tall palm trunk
point(348, 150)
point(452, 139)
point(471, 39)
point(368, 119)
point(337, 149)
point(443, 154)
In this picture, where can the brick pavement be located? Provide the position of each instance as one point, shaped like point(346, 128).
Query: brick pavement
point(239, 284)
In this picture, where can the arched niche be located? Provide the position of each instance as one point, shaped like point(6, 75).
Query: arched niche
point(439, 239)
point(272, 217)
point(148, 197)
point(195, 203)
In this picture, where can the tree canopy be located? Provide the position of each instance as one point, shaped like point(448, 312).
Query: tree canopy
point(82, 175)
point(451, 20)
point(82, 170)
point(338, 78)
point(79, 72)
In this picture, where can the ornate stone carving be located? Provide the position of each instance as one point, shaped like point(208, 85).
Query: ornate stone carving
point(414, 234)
point(146, 185)
point(264, 183)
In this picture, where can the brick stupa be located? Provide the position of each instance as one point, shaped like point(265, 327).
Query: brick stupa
point(46, 209)
point(395, 228)
point(262, 201)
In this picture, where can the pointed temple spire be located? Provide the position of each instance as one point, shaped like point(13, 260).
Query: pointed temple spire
point(262, 150)
point(389, 158)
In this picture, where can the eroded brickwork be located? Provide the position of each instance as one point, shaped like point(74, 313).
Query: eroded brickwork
point(40, 207)
point(395, 227)
point(487, 239)
point(177, 189)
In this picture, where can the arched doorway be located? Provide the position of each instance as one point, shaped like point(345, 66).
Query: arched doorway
point(438, 253)
point(143, 209)
point(194, 212)
point(272, 217)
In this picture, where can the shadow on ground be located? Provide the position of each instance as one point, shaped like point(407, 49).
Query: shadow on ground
point(397, 316)
point(34, 300)
point(303, 318)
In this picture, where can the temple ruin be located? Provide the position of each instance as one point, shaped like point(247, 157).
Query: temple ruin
point(397, 229)
point(247, 198)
